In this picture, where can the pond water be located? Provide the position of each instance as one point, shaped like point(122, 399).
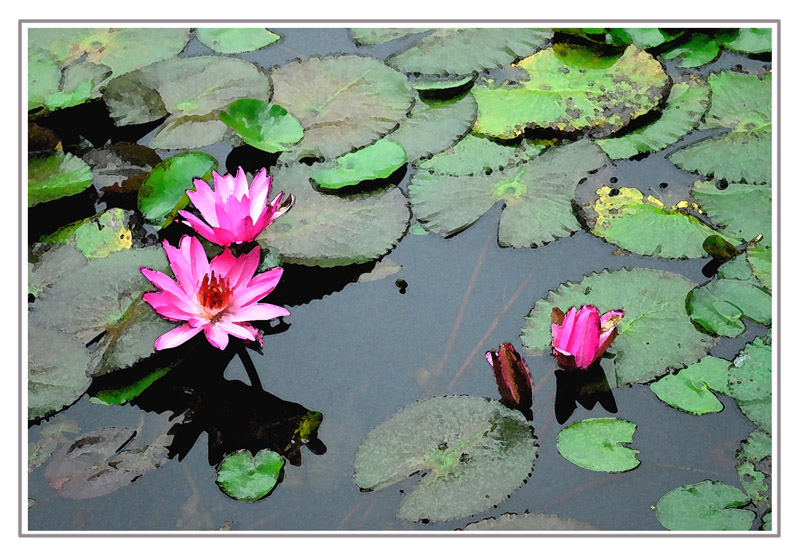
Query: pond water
point(358, 351)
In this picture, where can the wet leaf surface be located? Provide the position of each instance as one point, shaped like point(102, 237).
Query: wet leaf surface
point(708, 505)
point(475, 451)
point(598, 444)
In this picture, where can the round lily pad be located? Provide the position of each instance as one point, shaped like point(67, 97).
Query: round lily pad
point(376, 161)
point(462, 51)
point(597, 444)
point(743, 211)
point(690, 389)
point(750, 382)
point(573, 89)
point(343, 102)
point(742, 104)
point(235, 39)
point(720, 305)
point(54, 176)
point(537, 194)
point(708, 505)
point(163, 191)
point(249, 478)
point(263, 125)
point(334, 230)
point(644, 225)
point(655, 335)
point(98, 236)
point(378, 35)
point(56, 371)
point(476, 453)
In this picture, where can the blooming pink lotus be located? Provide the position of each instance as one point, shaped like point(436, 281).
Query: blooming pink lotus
point(219, 298)
point(234, 212)
point(582, 336)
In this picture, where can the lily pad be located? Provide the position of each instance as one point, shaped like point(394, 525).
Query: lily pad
point(51, 435)
point(334, 230)
point(100, 462)
point(235, 40)
point(754, 466)
point(56, 371)
point(720, 305)
point(378, 35)
point(474, 155)
point(55, 262)
point(685, 106)
point(760, 260)
point(690, 389)
point(376, 161)
point(190, 91)
point(698, 50)
point(124, 394)
point(708, 505)
point(343, 102)
point(537, 194)
point(597, 444)
point(249, 478)
point(644, 225)
point(121, 167)
point(98, 236)
point(44, 76)
point(433, 126)
point(104, 297)
point(750, 382)
point(655, 336)
point(163, 191)
point(751, 40)
point(55, 176)
point(573, 89)
point(462, 51)
point(742, 210)
point(263, 125)
point(475, 451)
point(742, 104)
point(529, 522)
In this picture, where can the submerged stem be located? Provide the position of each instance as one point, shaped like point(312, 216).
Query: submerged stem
point(252, 374)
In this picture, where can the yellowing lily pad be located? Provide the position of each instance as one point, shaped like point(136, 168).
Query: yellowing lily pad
point(573, 89)
point(98, 236)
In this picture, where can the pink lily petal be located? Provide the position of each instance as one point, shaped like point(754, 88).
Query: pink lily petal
point(242, 271)
point(162, 281)
point(260, 286)
point(259, 192)
point(203, 199)
point(199, 225)
point(258, 311)
point(176, 337)
point(237, 330)
point(240, 187)
point(216, 335)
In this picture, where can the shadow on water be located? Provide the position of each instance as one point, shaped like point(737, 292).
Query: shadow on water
point(586, 388)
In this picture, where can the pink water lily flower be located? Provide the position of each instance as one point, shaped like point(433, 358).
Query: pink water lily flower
point(582, 336)
point(219, 298)
point(234, 212)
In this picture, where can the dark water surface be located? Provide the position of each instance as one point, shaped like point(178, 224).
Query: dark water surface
point(363, 351)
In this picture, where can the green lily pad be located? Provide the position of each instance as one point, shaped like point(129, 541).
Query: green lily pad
point(529, 522)
point(334, 230)
point(655, 335)
point(741, 210)
point(440, 83)
point(751, 40)
point(742, 104)
point(463, 51)
point(537, 194)
point(44, 76)
point(433, 126)
point(708, 505)
point(760, 260)
point(474, 155)
point(690, 389)
point(376, 161)
point(343, 102)
point(754, 466)
point(235, 40)
point(55, 262)
point(122, 395)
point(98, 236)
point(263, 125)
point(573, 89)
point(597, 444)
point(685, 106)
point(719, 305)
point(378, 35)
point(163, 191)
point(750, 382)
point(475, 451)
point(56, 371)
point(642, 37)
point(190, 91)
point(249, 478)
point(55, 176)
point(104, 296)
point(628, 219)
point(700, 49)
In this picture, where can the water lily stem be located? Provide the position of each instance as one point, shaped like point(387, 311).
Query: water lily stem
point(255, 381)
